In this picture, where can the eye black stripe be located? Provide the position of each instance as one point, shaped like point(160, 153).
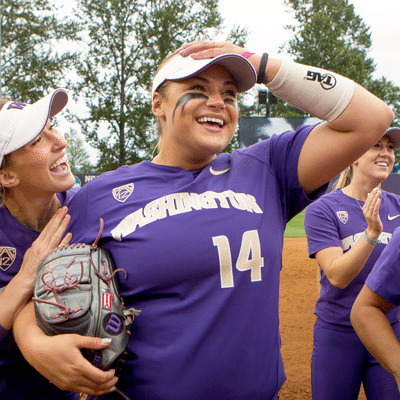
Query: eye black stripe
point(184, 99)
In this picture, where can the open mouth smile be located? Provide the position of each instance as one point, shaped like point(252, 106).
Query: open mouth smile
point(60, 166)
point(212, 121)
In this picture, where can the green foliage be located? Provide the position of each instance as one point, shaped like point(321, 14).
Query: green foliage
point(31, 62)
point(389, 93)
point(329, 34)
point(126, 41)
point(78, 157)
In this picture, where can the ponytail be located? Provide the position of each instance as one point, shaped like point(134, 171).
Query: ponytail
point(344, 179)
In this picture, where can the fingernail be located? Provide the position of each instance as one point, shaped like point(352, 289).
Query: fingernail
point(106, 341)
point(113, 389)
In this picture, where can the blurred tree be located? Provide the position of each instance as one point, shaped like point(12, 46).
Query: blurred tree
point(329, 34)
point(78, 157)
point(32, 59)
point(126, 41)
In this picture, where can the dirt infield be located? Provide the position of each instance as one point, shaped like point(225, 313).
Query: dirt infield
point(298, 293)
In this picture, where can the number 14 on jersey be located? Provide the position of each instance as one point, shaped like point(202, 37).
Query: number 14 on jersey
point(249, 257)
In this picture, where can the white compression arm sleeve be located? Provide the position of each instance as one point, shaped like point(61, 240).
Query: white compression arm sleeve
point(316, 91)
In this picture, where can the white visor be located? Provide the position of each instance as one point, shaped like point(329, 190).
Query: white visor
point(20, 123)
point(394, 135)
point(184, 67)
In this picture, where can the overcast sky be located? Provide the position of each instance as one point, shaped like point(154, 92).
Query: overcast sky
point(265, 20)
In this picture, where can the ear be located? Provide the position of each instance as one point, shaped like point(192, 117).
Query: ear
point(8, 178)
point(157, 107)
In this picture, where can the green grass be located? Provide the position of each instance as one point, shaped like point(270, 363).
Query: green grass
point(295, 227)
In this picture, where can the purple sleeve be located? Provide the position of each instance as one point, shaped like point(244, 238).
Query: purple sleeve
point(282, 158)
point(3, 333)
point(285, 155)
point(82, 217)
point(384, 278)
point(64, 197)
point(320, 228)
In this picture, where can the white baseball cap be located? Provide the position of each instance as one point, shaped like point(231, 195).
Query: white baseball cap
point(20, 123)
point(179, 67)
point(394, 135)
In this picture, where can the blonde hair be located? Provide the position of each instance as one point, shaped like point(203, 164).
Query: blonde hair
point(344, 179)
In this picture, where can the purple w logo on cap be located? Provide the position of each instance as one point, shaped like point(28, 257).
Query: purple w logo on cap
point(16, 105)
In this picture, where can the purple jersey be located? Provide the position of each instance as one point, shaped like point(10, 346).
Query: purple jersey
point(337, 220)
point(18, 380)
point(203, 252)
point(384, 278)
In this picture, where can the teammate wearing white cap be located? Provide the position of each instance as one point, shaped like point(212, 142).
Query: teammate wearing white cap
point(201, 233)
point(34, 182)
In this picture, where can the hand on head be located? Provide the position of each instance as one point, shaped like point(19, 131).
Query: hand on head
point(208, 49)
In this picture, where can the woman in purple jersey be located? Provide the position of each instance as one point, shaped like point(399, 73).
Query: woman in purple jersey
point(346, 232)
point(200, 233)
point(34, 178)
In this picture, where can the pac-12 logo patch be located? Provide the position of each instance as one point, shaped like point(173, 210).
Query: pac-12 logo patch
point(122, 193)
point(343, 216)
point(7, 257)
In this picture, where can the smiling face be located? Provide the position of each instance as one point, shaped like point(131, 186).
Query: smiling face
point(198, 118)
point(377, 163)
point(41, 166)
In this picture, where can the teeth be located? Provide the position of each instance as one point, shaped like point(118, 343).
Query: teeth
point(208, 119)
point(62, 160)
point(382, 164)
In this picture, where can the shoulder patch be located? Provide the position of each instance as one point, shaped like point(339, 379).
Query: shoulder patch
point(7, 257)
point(343, 216)
point(122, 193)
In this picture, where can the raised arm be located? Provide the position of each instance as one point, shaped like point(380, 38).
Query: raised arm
point(355, 119)
point(333, 146)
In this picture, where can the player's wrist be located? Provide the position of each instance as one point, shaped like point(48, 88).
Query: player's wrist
point(371, 238)
point(20, 289)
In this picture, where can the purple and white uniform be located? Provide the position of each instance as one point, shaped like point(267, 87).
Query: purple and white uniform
point(18, 380)
point(340, 362)
point(203, 252)
point(384, 279)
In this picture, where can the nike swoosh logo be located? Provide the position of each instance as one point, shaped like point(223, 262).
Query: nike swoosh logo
point(218, 172)
point(390, 218)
